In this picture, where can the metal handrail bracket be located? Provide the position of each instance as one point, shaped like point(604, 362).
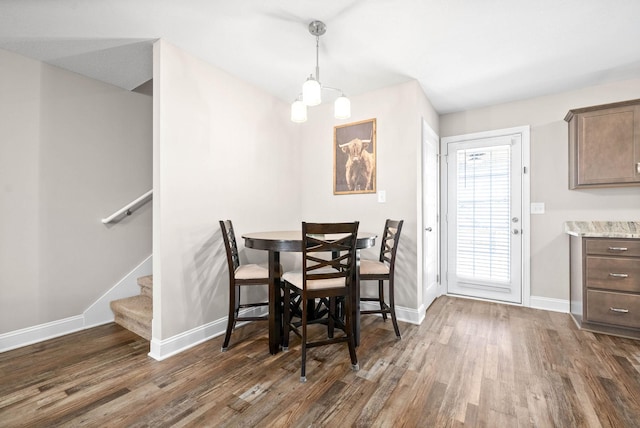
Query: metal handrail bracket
point(127, 209)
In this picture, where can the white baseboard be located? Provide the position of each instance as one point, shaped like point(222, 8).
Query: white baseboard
point(163, 349)
point(535, 302)
point(100, 312)
point(550, 304)
point(38, 333)
point(97, 314)
point(412, 316)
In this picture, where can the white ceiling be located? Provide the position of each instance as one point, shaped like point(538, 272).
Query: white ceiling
point(464, 53)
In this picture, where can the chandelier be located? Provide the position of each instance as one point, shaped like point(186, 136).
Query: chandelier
point(312, 89)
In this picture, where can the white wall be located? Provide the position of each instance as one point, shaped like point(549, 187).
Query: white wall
point(223, 149)
point(398, 111)
point(549, 174)
point(72, 150)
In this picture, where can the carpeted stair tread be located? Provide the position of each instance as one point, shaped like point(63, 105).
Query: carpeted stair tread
point(135, 314)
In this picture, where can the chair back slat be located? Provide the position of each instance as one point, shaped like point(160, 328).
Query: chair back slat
point(390, 238)
point(231, 247)
point(329, 251)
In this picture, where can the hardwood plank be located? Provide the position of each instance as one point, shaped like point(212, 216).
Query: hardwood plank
point(470, 363)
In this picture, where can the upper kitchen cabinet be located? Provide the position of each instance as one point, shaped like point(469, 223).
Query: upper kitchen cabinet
point(604, 145)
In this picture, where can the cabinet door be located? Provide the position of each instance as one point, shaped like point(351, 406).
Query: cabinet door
point(608, 146)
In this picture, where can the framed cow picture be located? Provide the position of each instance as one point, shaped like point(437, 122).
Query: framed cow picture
point(354, 158)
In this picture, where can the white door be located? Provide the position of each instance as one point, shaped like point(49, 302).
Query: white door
point(485, 216)
point(430, 186)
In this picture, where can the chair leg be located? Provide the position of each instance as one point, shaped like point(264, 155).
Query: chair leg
point(331, 318)
point(303, 368)
point(286, 309)
point(351, 342)
point(381, 299)
point(392, 308)
point(234, 300)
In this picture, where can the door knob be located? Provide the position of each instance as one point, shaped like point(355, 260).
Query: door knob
point(428, 229)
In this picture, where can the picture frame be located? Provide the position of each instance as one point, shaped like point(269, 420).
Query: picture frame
point(354, 158)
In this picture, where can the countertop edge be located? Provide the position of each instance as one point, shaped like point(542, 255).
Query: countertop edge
point(603, 229)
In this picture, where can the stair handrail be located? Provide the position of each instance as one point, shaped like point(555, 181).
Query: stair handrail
point(127, 209)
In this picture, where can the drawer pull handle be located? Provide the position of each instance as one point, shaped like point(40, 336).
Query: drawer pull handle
point(618, 248)
point(619, 310)
point(619, 275)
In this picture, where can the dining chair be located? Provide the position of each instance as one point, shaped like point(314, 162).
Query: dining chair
point(248, 275)
point(328, 268)
point(382, 270)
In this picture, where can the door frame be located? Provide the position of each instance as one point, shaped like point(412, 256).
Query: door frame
point(524, 132)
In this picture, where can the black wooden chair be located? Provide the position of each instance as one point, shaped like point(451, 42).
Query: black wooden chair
point(240, 276)
point(328, 268)
point(382, 270)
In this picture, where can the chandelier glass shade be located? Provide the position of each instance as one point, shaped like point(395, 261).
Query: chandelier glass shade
point(298, 111)
point(312, 88)
point(342, 107)
point(311, 92)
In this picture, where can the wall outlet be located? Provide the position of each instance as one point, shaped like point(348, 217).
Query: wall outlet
point(382, 196)
point(537, 207)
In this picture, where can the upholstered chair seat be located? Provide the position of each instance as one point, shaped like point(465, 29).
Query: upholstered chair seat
point(373, 267)
point(296, 278)
point(252, 271)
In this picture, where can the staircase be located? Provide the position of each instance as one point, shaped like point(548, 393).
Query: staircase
point(135, 313)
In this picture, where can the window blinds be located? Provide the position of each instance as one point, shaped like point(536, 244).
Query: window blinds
point(483, 211)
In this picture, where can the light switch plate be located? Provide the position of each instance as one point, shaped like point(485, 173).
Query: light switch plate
point(382, 196)
point(537, 207)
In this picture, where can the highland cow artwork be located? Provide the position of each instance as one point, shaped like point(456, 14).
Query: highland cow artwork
point(354, 158)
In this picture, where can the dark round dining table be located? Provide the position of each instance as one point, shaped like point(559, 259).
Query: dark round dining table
point(276, 242)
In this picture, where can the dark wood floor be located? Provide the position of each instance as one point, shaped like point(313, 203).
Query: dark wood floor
point(470, 363)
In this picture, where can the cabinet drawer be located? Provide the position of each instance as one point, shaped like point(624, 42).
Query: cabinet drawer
point(616, 247)
point(613, 308)
point(613, 273)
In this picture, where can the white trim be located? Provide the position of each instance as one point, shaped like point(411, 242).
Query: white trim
point(525, 132)
point(100, 312)
point(526, 214)
point(550, 304)
point(38, 333)
point(542, 303)
point(410, 315)
point(97, 313)
point(163, 349)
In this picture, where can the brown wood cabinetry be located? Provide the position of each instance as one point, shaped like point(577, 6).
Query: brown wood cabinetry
point(604, 145)
point(605, 285)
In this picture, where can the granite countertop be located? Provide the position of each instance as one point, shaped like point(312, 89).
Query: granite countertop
point(603, 229)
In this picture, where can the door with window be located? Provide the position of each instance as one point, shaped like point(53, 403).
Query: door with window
point(484, 216)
